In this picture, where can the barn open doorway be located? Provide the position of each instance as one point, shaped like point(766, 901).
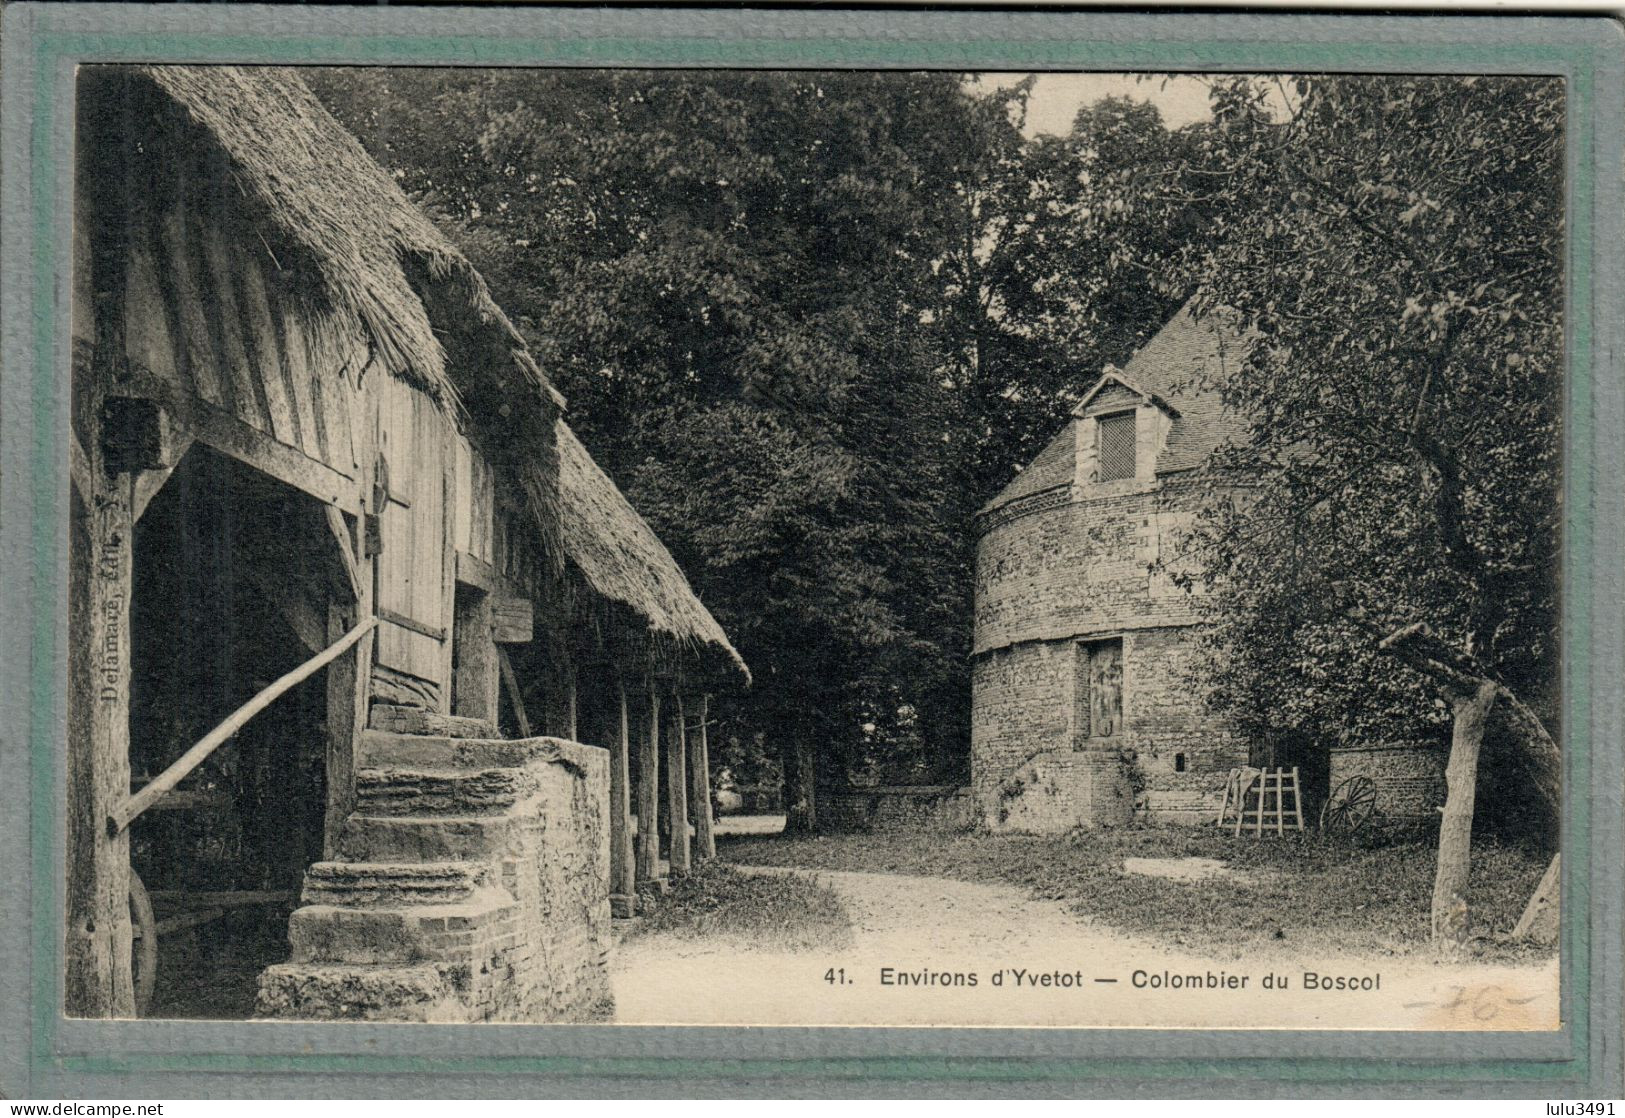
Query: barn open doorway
point(234, 573)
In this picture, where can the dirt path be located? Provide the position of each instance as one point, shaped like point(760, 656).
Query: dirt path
point(933, 927)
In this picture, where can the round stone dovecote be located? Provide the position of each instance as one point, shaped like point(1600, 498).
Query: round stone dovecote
point(1085, 709)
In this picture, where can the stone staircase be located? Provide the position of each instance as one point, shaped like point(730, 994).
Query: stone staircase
point(439, 905)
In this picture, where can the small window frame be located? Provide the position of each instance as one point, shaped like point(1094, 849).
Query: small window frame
point(1117, 421)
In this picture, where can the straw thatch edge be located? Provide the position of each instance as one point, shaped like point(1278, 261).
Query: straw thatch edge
point(621, 558)
point(328, 197)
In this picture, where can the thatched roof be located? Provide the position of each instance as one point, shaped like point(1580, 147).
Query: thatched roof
point(383, 264)
point(622, 559)
point(376, 252)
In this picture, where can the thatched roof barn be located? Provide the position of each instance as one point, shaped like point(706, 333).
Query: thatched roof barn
point(385, 265)
point(321, 208)
point(428, 313)
point(396, 277)
point(325, 504)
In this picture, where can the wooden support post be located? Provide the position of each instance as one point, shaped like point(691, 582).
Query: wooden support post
point(622, 868)
point(648, 864)
point(448, 573)
point(477, 676)
point(348, 683)
point(515, 695)
point(559, 700)
point(349, 553)
point(346, 715)
point(705, 841)
point(97, 948)
point(79, 468)
point(677, 788)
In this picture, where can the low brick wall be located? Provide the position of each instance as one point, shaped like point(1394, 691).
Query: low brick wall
point(560, 875)
point(1409, 779)
point(897, 807)
point(471, 884)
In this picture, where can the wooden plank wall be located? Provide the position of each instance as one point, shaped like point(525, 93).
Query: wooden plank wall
point(210, 313)
point(475, 503)
point(213, 315)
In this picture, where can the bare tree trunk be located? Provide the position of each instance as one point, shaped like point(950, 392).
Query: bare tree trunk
point(800, 780)
point(1450, 914)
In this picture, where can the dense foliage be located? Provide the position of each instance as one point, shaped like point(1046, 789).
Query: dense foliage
point(810, 322)
point(1396, 249)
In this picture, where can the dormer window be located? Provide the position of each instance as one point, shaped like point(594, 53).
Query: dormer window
point(1116, 448)
point(1120, 430)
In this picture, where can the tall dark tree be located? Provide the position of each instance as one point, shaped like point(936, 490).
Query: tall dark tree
point(1065, 261)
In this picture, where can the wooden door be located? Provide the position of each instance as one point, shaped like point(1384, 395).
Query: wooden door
point(412, 563)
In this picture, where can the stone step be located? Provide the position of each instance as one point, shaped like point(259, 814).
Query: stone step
point(424, 838)
point(412, 720)
point(326, 992)
point(378, 884)
point(425, 791)
point(332, 934)
point(382, 750)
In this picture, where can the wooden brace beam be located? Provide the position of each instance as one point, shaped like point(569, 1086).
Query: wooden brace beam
point(126, 813)
point(347, 553)
point(511, 682)
point(149, 482)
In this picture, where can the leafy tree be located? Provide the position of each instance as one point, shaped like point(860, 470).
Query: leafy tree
point(1064, 263)
point(1395, 247)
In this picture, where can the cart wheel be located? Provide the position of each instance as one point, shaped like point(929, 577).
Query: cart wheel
point(144, 945)
point(1350, 806)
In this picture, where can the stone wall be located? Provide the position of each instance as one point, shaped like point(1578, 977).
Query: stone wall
point(1081, 563)
point(557, 950)
point(1181, 751)
point(1052, 565)
point(471, 884)
point(1031, 770)
point(945, 807)
point(1409, 779)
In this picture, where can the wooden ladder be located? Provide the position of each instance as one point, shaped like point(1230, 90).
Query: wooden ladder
point(1273, 787)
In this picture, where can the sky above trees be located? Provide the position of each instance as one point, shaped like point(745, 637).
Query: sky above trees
point(1056, 98)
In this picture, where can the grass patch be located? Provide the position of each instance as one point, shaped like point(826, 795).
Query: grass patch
point(776, 912)
point(1314, 894)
